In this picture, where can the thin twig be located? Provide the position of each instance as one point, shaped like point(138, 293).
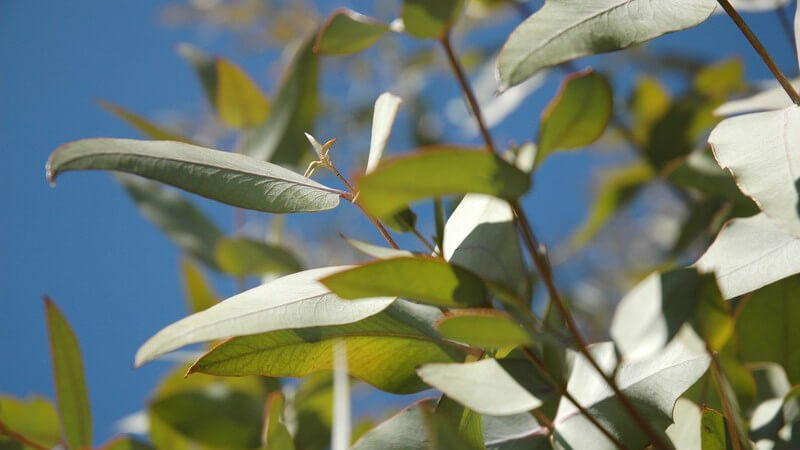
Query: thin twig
point(762, 52)
point(723, 397)
point(562, 389)
point(542, 264)
point(4, 430)
point(422, 239)
point(353, 199)
point(546, 273)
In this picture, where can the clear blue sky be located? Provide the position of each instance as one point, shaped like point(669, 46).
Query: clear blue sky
point(113, 274)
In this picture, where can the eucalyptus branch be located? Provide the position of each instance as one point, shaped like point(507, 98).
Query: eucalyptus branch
point(762, 52)
point(424, 241)
point(541, 262)
point(726, 406)
point(562, 389)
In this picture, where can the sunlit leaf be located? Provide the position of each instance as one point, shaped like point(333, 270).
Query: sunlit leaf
point(750, 253)
point(241, 256)
point(720, 79)
point(73, 397)
point(761, 150)
point(405, 430)
point(440, 171)
point(144, 126)
point(446, 431)
point(280, 139)
point(713, 431)
point(347, 31)
point(240, 102)
point(383, 117)
point(176, 216)
point(648, 103)
point(654, 311)
point(293, 301)
point(567, 29)
point(35, 418)
point(226, 177)
point(421, 279)
point(486, 328)
point(430, 20)
point(577, 116)
point(490, 386)
point(199, 292)
point(771, 97)
point(685, 431)
point(383, 350)
point(376, 251)
point(480, 235)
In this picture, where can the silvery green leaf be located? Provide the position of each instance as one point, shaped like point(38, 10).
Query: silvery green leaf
point(386, 107)
point(770, 96)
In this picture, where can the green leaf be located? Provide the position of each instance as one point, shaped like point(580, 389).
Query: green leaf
point(34, 418)
point(713, 431)
point(439, 171)
point(205, 66)
point(144, 126)
point(242, 256)
point(446, 432)
point(199, 293)
point(216, 416)
point(648, 103)
point(677, 132)
point(767, 327)
point(750, 253)
point(720, 79)
point(577, 116)
point(280, 138)
point(71, 392)
point(406, 430)
point(176, 216)
point(619, 187)
point(481, 236)
point(276, 435)
point(383, 117)
point(430, 20)
point(489, 386)
point(403, 222)
point(226, 177)
point(293, 301)
point(240, 102)
point(654, 311)
point(567, 29)
point(347, 31)
point(376, 251)
point(485, 328)
point(313, 404)
point(760, 150)
point(421, 279)
point(700, 172)
point(463, 422)
point(653, 384)
point(384, 350)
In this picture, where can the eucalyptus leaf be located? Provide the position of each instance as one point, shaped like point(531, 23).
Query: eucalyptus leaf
point(485, 328)
point(241, 256)
point(404, 431)
point(230, 178)
point(35, 418)
point(280, 138)
point(276, 435)
point(240, 102)
point(761, 150)
point(685, 431)
point(182, 221)
point(713, 431)
point(293, 301)
point(438, 171)
point(346, 32)
point(376, 251)
point(199, 292)
point(144, 126)
point(577, 116)
point(383, 117)
point(383, 350)
point(771, 96)
point(481, 235)
point(563, 30)
point(490, 386)
point(750, 253)
point(445, 432)
point(421, 279)
point(430, 20)
point(70, 382)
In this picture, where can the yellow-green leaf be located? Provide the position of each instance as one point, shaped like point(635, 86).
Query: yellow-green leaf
point(486, 328)
point(34, 418)
point(144, 126)
point(276, 435)
point(577, 116)
point(199, 293)
point(242, 256)
point(430, 19)
point(439, 171)
point(71, 392)
point(240, 102)
point(421, 279)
